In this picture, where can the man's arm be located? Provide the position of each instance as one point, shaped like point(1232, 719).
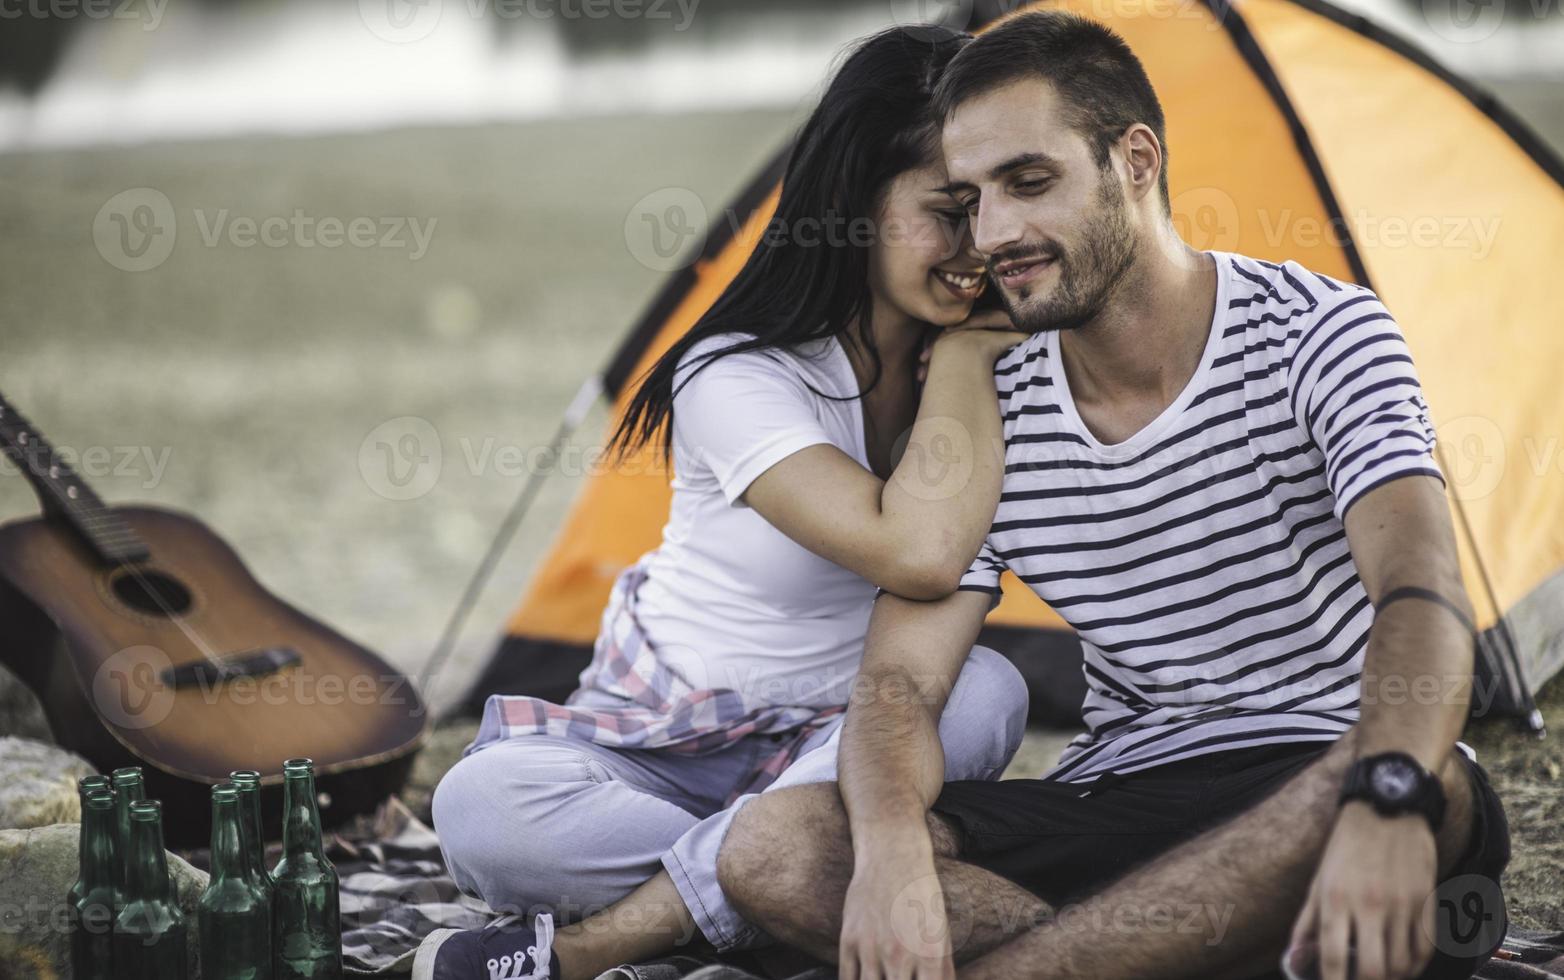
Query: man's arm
point(1400, 535)
point(1376, 873)
point(890, 771)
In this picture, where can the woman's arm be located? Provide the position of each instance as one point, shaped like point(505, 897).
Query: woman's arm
point(915, 534)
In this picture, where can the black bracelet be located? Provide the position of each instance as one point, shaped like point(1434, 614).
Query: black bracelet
point(1418, 592)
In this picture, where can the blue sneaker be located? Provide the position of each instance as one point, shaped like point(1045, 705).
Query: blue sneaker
point(505, 949)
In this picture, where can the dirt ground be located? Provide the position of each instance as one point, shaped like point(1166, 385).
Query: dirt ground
point(1526, 772)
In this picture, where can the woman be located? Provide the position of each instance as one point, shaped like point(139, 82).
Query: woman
point(809, 470)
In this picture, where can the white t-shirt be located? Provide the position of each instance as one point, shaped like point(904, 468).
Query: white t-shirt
point(729, 601)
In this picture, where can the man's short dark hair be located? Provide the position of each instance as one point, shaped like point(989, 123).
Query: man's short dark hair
point(1101, 84)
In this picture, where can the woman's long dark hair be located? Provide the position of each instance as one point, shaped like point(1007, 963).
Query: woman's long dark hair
point(874, 123)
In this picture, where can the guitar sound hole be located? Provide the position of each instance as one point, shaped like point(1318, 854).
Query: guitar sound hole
point(152, 593)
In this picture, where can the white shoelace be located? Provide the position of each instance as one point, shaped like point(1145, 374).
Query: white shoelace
point(509, 967)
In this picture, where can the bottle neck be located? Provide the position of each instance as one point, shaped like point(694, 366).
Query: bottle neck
point(300, 818)
point(229, 859)
point(97, 849)
point(250, 820)
point(148, 879)
point(124, 795)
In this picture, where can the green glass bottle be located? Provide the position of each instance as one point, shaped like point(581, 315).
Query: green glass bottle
point(305, 902)
point(128, 789)
point(149, 931)
point(92, 911)
point(85, 785)
point(249, 783)
point(234, 916)
point(306, 916)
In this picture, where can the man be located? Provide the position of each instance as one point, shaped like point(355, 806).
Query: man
point(1220, 472)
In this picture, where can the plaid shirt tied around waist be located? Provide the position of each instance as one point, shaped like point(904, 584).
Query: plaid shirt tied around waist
point(660, 710)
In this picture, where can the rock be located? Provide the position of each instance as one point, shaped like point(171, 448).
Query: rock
point(20, 712)
point(38, 783)
point(37, 868)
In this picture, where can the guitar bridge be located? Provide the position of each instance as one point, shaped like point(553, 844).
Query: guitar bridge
point(251, 663)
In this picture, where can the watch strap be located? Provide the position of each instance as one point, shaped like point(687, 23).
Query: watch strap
point(1429, 801)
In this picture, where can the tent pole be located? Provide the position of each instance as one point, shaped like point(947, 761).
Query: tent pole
point(586, 396)
point(1507, 654)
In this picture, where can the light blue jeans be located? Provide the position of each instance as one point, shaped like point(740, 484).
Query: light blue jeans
point(544, 823)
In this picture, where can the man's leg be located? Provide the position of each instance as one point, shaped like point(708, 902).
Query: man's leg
point(651, 921)
point(1252, 871)
point(788, 860)
point(981, 729)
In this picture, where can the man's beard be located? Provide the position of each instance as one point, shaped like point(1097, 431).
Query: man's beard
point(1087, 280)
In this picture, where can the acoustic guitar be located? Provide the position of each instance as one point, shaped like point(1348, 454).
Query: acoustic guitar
point(149, 643)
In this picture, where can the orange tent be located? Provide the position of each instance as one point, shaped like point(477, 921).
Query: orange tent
point(1295, 131)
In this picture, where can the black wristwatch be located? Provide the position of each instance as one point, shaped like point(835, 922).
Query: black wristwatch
point(1395, 783)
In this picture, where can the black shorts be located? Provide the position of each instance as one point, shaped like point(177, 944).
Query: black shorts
point(1063, 846)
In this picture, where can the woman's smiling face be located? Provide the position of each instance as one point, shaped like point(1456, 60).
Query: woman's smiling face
point(921, 261)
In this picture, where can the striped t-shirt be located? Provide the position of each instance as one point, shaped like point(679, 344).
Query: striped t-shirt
point(1203, 561)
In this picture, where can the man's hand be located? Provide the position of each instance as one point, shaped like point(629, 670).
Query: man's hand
point(891, 768)
point(893, 921)
point(1368, 901)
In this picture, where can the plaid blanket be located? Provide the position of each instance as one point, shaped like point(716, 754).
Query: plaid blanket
point(395, 891)
point(656, 708)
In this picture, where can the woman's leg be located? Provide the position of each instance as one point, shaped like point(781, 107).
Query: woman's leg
point(543, 823)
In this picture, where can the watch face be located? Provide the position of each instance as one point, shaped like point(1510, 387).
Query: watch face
point(1393, 780)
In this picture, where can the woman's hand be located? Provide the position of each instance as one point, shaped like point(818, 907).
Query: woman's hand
point(986, 333)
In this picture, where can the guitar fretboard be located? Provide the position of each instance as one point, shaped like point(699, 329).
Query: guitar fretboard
point(63, 492)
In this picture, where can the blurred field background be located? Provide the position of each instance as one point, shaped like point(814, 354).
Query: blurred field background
point(240, 383)
point(246, 384)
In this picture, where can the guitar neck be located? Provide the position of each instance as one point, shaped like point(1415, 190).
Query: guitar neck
point(63, 493)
